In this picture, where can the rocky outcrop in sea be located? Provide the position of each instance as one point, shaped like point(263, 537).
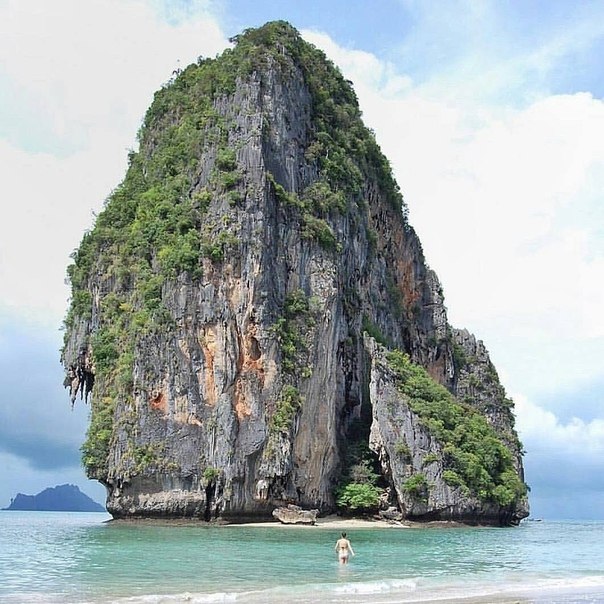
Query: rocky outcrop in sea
point(256, 323)
point(62, 498)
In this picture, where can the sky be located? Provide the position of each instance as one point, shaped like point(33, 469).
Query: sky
point(491, 114)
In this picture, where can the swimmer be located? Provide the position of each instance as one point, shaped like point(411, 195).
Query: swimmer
point(344, 549)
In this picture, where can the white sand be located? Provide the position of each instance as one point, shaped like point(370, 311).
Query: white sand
point(338, 523)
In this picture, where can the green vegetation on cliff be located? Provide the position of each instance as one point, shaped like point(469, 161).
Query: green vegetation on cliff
point(98, 437)
point(476, 460)
point(361, 485)
point(156, 219)
point(154, 224)
point(345, 150)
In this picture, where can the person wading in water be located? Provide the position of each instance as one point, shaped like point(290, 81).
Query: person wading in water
point(344, 549)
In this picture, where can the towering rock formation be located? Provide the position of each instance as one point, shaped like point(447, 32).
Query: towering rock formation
point(255, 319)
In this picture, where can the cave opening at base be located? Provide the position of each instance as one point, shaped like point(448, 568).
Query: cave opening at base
point(210, 492)
point(359, 463)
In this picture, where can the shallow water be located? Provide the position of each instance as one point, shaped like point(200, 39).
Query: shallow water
point(68, 557)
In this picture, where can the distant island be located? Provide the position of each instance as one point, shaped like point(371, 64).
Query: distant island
point(62, 498)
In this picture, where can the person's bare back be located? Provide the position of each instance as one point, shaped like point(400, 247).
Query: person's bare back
point(344, 549)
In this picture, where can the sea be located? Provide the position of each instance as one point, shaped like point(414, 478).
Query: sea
point(61, 557)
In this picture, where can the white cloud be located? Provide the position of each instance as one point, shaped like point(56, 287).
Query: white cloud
point(370, 72)
point(543, 432)
point(487, 201)
point(564, 462)
point(504, 200)
point(494, 52)
point(92, 67)
point(48, 205)
point(86, 72)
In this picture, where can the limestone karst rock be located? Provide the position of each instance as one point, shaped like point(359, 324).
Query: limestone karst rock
point(235, 305)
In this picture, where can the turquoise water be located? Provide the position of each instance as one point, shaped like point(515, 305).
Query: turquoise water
point(68, 557)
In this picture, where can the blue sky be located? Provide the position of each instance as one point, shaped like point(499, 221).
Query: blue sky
point(491, 113)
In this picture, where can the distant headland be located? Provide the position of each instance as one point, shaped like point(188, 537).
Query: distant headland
point(62, 498)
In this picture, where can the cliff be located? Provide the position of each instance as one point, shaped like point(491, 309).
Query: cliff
point(62, 498)
point(235, 305)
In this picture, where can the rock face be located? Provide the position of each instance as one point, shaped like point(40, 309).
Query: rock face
point(233, 307)
point(425, 457)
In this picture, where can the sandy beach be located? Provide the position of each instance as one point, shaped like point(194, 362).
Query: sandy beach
point(343, 524)
point(338, 523)
point(332, 522)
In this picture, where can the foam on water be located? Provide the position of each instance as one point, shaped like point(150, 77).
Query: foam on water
point(586, 589)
